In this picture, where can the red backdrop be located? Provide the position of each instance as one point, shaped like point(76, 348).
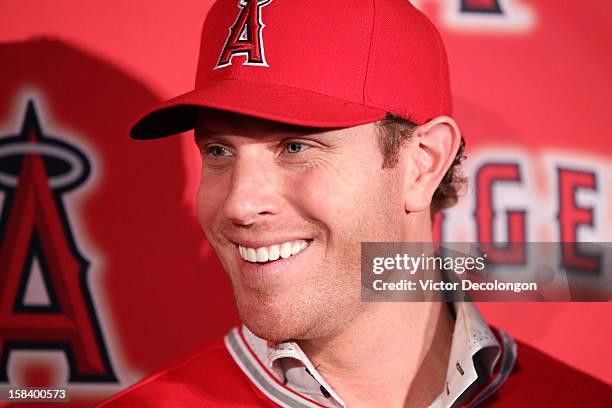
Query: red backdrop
point(531, 85)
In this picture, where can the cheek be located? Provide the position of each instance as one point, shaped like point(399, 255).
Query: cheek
point(322, 196)
point(366, 205)
point(209, 202)
point(343, 201)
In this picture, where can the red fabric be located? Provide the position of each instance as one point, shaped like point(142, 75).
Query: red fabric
point(541, 381)
point(212, 379)
point(370, 58)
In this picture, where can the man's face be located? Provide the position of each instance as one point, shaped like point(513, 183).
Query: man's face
point(304, 197)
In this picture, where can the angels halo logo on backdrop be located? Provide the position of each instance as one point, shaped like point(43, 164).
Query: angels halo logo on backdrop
point(45, 301)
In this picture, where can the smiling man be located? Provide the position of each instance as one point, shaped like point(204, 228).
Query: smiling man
point(286, 208)
point(322, 125)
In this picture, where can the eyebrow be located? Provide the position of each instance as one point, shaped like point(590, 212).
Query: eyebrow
point(205, 135)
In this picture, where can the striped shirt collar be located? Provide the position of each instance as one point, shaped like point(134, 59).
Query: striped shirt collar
point(479, 363)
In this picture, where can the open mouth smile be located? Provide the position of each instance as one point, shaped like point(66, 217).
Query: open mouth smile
point(274, 252)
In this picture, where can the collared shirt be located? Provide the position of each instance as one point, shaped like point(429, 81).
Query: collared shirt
point(479, 363)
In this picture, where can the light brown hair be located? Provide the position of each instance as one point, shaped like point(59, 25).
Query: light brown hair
point(394, 132)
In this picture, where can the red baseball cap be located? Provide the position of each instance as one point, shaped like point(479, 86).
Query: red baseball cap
point(316, 63)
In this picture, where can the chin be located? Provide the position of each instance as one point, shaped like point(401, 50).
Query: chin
point(270, 328)
point(272, 321)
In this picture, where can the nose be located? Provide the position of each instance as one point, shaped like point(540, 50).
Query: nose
point(254, 190)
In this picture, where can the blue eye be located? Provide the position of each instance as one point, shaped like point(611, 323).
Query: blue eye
point(218, 151)
point(295, 147)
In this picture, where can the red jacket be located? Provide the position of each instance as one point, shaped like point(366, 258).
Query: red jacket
point(211, 378)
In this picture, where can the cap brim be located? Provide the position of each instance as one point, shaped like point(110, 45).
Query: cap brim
point(260, 99)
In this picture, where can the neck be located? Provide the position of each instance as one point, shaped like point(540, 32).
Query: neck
point(391, 355)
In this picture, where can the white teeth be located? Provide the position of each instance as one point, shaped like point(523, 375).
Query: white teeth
point(285, 251)
point(251, 255)
point(262, 255)
point(273, 252)
point(296, 248)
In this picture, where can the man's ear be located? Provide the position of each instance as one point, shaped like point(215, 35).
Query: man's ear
point(432, 151)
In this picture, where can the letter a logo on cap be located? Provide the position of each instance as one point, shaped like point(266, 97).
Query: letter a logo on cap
point(245, 36)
